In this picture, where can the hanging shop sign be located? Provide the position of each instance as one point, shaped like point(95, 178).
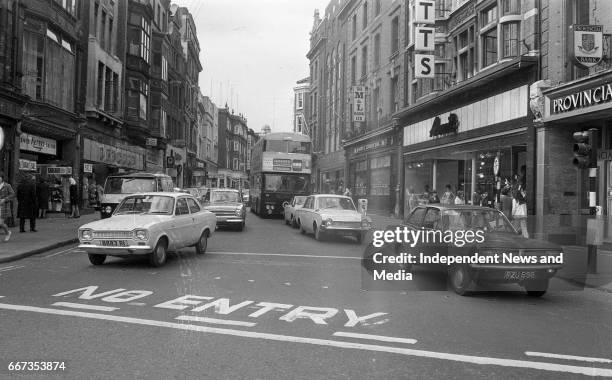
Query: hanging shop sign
point(151, 141)
point(586, 45)
point(358, 103)
point(424, 39)
point(37, 144)
point(439, 129)
point(59, 170)
point(27, 165)
point(87, 168)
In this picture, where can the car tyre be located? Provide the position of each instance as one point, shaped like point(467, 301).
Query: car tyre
point(318, 234)
point(96, 259)
point(536, 288)
point(302, 230)
point(158, 257)
point(461, 279)
point(202, 244)
point(293, 223)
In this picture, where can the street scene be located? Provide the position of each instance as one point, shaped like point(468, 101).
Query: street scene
point(328, 189)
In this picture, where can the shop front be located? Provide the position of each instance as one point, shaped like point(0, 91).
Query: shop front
point(103, 157)
point(372, 169)
point(562, 189)
point(474, 149)
point(329, 177)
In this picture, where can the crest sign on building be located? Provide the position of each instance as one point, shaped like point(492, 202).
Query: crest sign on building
point(586, 45)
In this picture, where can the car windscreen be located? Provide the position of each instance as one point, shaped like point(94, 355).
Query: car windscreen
point(300, 200)
point(123, 185)
point(336, 203)
point(286, 183)
point(224, 197)
point(488, 220)
point(146, 204)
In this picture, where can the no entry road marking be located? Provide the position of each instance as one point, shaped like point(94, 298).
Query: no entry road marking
point(284, 255)
point(375, 337)
point(215, 320)
point(568, 357)
point(480, 360)
point(84, 306)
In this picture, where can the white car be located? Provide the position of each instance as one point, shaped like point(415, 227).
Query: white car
point(330, 214)
point(290, 209)
point(149, 224)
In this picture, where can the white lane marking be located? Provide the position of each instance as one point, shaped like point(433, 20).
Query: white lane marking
point(481, 360)
point(12, 267)
point(61, 252)
point(283, 255)
point(83, 306)
point(568, 357)
point(215, 320)
point(375, 337)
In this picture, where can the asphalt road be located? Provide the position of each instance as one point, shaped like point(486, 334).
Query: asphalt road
point(271, 303)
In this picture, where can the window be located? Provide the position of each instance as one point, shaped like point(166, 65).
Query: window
point(164, 68)
point(145, 39)
point(95, 20)
point(488, 16)
point(489, 47)
point(68, 5)
point(181, 207)
point(235, 164)
point(364, 61)
point(353, 70)
point(365, 16)
point(510, 39)
point(394, 94)
point(108, 90)
point(377, 7)
point(103, 30)
point(416, 217)
point(376, 101)
point(512, 7)
point(236, 146)
point(110, 35)
point(100, 94)
point(377, 50)
point(354, 34)
point(144, 93)
point(394, 35)
point(300, 101)
point(115, 99)
point(193, 205)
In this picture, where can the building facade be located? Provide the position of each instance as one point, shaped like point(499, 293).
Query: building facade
point(233, 133)
point(301, 106)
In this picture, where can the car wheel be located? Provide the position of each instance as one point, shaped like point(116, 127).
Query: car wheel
point(158, 257)
point(318, 233)
point(536, 288)
point(96, 259)
point(302, 230)
point(202, 244)
point(293, 223)
point(461, 279)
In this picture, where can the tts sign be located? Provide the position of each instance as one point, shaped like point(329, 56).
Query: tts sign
point(424, 39)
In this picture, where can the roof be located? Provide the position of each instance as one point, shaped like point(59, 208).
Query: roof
point(160, 193)
point(330, 195)
point(285, 135)
point(224, 189)
point(455, 207)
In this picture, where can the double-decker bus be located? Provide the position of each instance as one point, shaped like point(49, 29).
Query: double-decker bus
point(280, 169)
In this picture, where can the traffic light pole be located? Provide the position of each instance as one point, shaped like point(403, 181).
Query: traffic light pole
point(592, 248)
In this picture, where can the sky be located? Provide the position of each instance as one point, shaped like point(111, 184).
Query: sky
point(253, 52)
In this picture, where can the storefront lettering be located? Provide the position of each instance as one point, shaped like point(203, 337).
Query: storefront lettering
point(120, 156)
point(438, 129)
point(373, 145)
point(37, 144)
point(582, 99)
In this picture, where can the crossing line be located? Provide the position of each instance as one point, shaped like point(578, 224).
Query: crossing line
point(375, 337)
point(568, 357)
point(283, 255)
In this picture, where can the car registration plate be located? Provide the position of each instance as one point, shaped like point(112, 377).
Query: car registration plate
point(114, 243)
point(518, 275)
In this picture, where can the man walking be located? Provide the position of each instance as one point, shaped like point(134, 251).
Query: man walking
point(26, 203)
point(6, 195)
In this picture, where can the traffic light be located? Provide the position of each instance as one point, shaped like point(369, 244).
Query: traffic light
point(582, 149)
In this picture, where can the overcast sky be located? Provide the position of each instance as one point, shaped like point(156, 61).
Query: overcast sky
point(252, 53)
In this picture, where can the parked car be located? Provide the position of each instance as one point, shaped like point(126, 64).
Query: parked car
point(330, 214)
point(117, 187)
point(227, 205)
point(291, 208)
point(499, 237)
point(149, 224)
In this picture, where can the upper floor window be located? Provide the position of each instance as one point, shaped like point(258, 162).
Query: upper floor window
point(488, 16)
point(364, 61)
point(377, 7)
point(299, 100)
point(68, 5)
point(377, 50)
point(365, 15)
point(354, 32)
point(511, 7)
point(510, 39)
point(394, 35)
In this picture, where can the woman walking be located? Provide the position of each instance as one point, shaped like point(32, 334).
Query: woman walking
point(42, 193)
point(26, 203)
point(6, 196)
point(74, 199)
point(519, 210)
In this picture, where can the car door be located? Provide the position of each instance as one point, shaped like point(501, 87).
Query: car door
point(304, 213)
point(197, 219)
point(432, 222)
point(182, 224)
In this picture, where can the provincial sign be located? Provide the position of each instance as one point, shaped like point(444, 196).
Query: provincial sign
point(587, 44)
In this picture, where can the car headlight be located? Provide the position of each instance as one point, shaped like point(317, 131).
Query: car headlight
point(86, 234)
point(329, 221)
point(238, 211)
point(141, 234)
point(365, 223)
point(108, 209)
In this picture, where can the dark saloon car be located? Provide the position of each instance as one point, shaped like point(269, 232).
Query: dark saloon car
point(492, 236)
point(228, 206)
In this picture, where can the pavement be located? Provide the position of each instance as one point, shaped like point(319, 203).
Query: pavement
point(53, 232)
point(57, 231)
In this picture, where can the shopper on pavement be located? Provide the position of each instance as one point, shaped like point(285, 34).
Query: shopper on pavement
point(6, 196)
point(26, 203)
point(74, 199)
point(42, 192)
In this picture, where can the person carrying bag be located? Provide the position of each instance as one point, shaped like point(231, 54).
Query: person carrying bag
point(519, 210)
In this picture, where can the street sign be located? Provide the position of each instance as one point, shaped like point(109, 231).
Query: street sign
point(87, 168)
point(151, 141)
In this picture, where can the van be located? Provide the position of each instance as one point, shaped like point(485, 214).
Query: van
point(117, 187)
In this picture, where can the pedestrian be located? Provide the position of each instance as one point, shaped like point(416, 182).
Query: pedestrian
point(347, 192)
point(26, 203)
point(6, 196)
point(459, 199)
point(74, 198)
point(42, 193)
point(413, 199)
point(433, 197)
point(519, 211)
point(448, 197)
